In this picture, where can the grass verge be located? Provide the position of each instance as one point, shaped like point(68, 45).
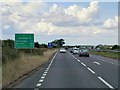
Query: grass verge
point(27, 62)
point(113, 55)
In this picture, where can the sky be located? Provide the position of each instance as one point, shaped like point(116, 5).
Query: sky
point(78, 23)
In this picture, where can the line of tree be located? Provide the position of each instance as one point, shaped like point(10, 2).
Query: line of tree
point(55, 43)
point(58, 43)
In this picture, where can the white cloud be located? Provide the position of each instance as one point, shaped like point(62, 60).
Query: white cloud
point(111, 23)
point(73, 21)
point(54, 8)
point(18, 6)
point(84, 14)
point(6, 27)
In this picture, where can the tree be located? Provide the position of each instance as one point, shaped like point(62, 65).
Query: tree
point(36, 45)
point(8, 43)
point(43, 45)
point(115, 47)
point(58, 42)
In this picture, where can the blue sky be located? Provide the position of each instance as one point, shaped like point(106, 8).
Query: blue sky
point(77, 22)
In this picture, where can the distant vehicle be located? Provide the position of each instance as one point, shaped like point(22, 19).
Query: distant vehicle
point(84, 52)
point(66, 48)
point(75, 51)
point(62, 50)
point(71, 51)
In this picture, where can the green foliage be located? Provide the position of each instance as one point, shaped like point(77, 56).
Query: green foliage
point(36, 44)
point(43, 45)
point(114, 55)
point(115, 47)
point(58, 42)
point(8, 43)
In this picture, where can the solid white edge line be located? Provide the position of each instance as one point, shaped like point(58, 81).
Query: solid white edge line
point(106, 83)
point(90, 70)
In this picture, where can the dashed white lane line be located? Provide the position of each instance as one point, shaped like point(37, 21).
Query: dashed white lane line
point(78, 60)
point(90, 70)
point(106, 83)
point(111, 87)
point(83, 64)
point(45, 73)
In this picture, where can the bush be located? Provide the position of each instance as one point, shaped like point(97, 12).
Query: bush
point(9, 53)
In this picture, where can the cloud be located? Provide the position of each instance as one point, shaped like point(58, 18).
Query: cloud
point(84, 14)
point(111, 23)
point(54, 8)
point(18, 6)
point(55, 20)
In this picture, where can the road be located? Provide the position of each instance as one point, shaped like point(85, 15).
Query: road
point(71, 71)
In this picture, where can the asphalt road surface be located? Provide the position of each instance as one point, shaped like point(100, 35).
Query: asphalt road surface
point(71, 71)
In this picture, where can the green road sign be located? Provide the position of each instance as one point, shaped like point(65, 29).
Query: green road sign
point(24, 41)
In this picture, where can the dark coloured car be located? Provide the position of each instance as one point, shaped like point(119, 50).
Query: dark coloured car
point(84, 52)
point(71, 51)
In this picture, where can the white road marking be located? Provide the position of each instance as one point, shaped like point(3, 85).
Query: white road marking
point(90, 70)
point(40, 81)
point(106, 83)
point(38, 85)
point(45, 73)
point(78, 60)
point(42, 77)
point(97, 63)
point(94, 72)
point(46, 70)
point(83, 64)
point(106, 61)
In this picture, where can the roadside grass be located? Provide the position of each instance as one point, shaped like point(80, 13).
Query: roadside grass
point(113, 55)
point(27, 62)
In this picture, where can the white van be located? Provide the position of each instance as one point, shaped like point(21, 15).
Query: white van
point(75, 50)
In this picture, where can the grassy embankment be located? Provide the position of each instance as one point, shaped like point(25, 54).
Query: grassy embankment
point(113, 55)
point(25, 62)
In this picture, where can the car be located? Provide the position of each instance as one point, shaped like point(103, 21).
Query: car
point(71, 50)
point(75, 51)
point(84, 52)
point(62, 50)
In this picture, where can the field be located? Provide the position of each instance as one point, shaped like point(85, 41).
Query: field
point(114, 55)
point(26, 62)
